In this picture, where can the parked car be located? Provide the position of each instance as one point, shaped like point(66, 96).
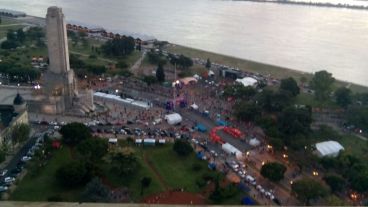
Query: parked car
point(26, 158)
point(9, 180)
point(3, 172)
point(3, 188)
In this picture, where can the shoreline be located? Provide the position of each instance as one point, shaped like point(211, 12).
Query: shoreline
point(315, 4)
point(243, 64)
point(256, 67)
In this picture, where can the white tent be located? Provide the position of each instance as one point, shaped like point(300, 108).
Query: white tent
point(211, 73)
point(254, 142)
point(188, 80)
point(196, 76)
point(173, 119)
point(230, 149)
point(328, 148)
point(247, 81)
point(194, 106)
point(113, 140)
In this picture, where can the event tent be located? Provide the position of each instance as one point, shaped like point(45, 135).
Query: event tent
point(194, 106)
point(254, 142)
point(173, 119)
point(247, 81)
point(188, 80)
point(328, 149)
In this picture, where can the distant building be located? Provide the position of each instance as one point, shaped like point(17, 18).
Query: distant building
point(11, 115)
point(11, 13)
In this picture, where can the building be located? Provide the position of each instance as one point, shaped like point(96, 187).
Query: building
point(60, 83)
point(11, 115)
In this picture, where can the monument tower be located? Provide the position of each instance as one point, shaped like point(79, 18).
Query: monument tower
point(60, 82)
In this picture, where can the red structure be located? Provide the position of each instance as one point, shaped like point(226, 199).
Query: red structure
point(236, 133)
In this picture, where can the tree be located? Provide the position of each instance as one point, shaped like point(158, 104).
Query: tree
point(295, 121)
point(149, 79)
point(239, 91)
point(246, 111)
point(359, 180)
point(336, 183)
point(96, 191)
point(122, 64)
point(303, 80)
point(307, 189)
point(124, 162)
point(182, 148)
point(119, 46)
point(321, 83)
point(11, 35)
point(145, 183)
point(208, 64)
point(21, 36)
point(274, 102)
point(93, 149)
point(273, 171)
point(20, 133)
point(333, 200)
point(160, 73)
point(289, 84)
point(358, 116)
point(343, 97)
point(9, 44)
point(73, 174)
point(74, 133)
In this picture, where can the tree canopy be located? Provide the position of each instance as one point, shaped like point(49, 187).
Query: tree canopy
point(289, 84)
point(74, 133)
point(93, 149)
point(321, 84)
point(182, 147)
point(343, 97)
point(160, 73)
point(119, 46)
point(307, 189)
point(274, 171)
point(72, 174)
point(124, 162)
point(96, 191)
point(20, 133)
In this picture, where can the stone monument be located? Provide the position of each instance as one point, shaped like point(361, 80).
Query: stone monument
point(60, 85)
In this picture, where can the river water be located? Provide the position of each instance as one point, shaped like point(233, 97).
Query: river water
point(303, 38)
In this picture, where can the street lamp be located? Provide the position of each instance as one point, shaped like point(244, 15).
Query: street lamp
point(315, 173)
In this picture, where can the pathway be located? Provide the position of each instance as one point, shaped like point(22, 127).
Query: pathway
point(85, 55)
point(138, 63)
point(154, 170)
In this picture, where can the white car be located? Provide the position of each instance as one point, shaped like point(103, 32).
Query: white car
point(3, 188)
point(26, 158)
point(3, 173)
point(9, 179)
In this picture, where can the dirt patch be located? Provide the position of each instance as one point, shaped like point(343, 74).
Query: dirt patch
point(176, 197)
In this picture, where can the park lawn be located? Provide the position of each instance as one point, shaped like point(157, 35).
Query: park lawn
point(252, 66)
point(133, 182)
point(176, 171)
point(354, 145)
point(309, 99)
point(43, 185)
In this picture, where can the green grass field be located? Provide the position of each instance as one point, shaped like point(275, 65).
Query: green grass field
point(168, 171)
point(43, 185)
point(176, 171)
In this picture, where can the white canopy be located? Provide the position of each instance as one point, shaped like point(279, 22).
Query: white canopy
point(196, 76)
point(230, 149)
point(211, 73)
point(247, 81)
point(194, 106)
point(254, 142)
point(173, 119)
point(328, 148)
point(188, 80)
point(113, 140)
